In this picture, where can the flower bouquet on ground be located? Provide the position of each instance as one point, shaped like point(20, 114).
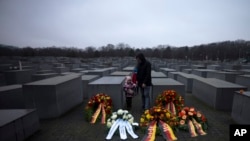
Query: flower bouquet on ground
point(123, 120)
point(100, 103)
point(158, 121)
point(192, 121)
point(171, 100)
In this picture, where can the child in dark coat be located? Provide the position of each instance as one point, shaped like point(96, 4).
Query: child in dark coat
point(129, 89)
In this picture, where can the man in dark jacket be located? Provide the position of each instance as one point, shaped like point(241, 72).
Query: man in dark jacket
point(144, 79)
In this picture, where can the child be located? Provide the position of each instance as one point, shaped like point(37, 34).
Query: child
point(129, 88)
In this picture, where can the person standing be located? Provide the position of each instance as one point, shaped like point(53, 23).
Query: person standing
point(144, 80)
point(129, 88)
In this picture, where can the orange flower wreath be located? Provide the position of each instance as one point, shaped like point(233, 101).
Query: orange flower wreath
point(171, 100)
point(100, 103)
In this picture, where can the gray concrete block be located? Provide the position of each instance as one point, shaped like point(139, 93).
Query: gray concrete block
point(240, 110)
point(121, 73)
point(181, 67)
point(226, 76)
point(17, 76)
point(188, 71)
point(45, 66)
point(55, 96)
point(216, 93)
point(72, 65)
point(129, 68)
point(77, 70)
point(245, 71)
point(11, 97)
point(214, 67)
point(5, 67)
point(2, 79)
point(174, 75)
point(167, 70)
point(86, 79)
point(156, 74)
point(202, 72)
point(44, 71)
point(36, 77)
point(110, 85)
point(161, 84)
point(85, 66)
point(243, 80)
point(101, 72)
point(198, 67)
point(232, 66)
point(61, 69)
point(187, 80)
point(18, 124)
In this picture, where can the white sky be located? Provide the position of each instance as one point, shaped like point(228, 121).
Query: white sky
point(138, 23)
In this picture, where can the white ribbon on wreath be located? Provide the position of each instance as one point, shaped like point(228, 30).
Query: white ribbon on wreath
point(124, 121)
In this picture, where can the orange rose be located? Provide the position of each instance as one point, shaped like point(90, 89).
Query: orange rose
point(190, 113)
point(198, 114)
point(191, 109)
point(184, 117)
point(182, 122)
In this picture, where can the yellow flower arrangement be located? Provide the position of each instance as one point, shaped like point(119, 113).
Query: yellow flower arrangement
point(192, 120)
point(171, 100)
point(101, 102)
point(160, 118)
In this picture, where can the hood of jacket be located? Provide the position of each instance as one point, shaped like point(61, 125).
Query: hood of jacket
point(141, 57)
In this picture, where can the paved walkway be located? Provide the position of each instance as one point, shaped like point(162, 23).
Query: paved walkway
point(73, 127)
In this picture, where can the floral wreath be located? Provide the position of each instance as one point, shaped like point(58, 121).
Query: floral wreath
point(162, 118)
point(192, 121)
point(101, 102)
point(171, 100)
point(123, 120)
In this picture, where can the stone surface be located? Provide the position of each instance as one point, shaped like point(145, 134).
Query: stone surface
point(202, 72)
point(100, 72)
point(187, 80)
point(86, 79)
point(161, 84)
point(181, 67)
point(2, 79)
point(5, 67)
point(240, 111)
point(198, 67)
point(216, 93)
point(243, 80)
point(156, 74)
point(44, 71)
point(54, 96)
point(130, 69)
point(61, 69)
point(214, 67)
point(121, 73)
point(11, 97)
point(17, 76)
point(227, 76)
point(110, 85)
point(36, 77)
point(18, 124)
point(167, 70)
point(188, 71)
point(174, 75)
point(77, 70)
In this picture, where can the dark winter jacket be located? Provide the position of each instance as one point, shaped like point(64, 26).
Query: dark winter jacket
point(144, 71)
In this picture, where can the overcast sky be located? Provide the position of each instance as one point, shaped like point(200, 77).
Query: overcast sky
point(138, 23)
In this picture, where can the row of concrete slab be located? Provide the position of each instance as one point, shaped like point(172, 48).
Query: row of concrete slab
point(54, 96)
